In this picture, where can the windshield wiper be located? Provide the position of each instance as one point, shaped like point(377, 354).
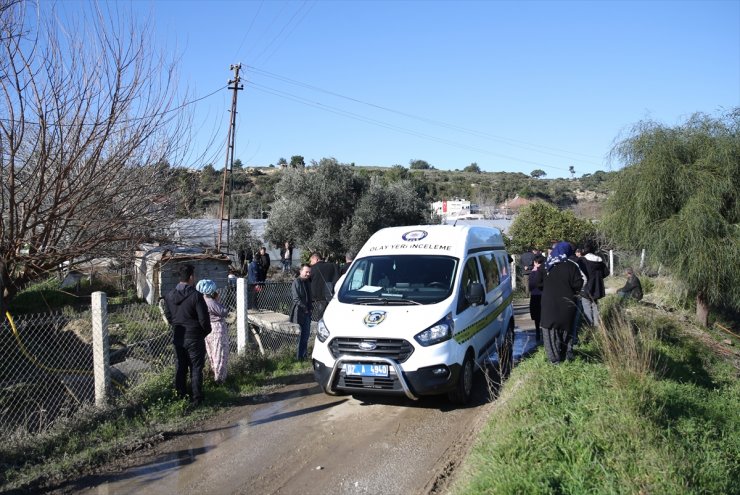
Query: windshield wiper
point(385, 301)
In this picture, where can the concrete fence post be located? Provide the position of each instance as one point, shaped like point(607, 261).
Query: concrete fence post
point(101, 348)
point(512, 272)
point(642, 260)
point(241, 315)
point(611, 261)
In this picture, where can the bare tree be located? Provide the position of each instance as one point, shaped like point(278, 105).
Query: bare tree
point(87, 116)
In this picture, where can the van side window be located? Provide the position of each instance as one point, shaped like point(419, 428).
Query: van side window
point(490, 271)
point(470, 274)
point(504, 264)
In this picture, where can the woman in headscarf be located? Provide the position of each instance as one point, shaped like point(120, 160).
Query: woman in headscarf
point(217, 342)
point(563, 282)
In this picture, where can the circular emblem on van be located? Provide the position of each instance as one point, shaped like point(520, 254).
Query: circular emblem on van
point(374, 318)
point(414, 235)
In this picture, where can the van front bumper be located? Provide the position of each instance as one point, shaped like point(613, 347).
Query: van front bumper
point(430, 380)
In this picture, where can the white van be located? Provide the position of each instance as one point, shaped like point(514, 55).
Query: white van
point(419, 311)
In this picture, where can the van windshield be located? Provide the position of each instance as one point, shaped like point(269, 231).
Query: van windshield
point(399, 280)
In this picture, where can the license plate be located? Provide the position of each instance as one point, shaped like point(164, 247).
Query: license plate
point(366, 369)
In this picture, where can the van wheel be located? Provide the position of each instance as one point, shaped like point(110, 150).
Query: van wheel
point(506, 353)
point(461, 393)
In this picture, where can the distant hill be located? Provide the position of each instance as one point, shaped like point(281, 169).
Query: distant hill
point(254, 188)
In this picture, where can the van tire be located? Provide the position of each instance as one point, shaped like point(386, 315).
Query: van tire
point(462, 392)
point(506, 353)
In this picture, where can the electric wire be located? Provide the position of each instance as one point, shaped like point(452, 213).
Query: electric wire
point(513, 142)
point(352, 115)
point(125, 121)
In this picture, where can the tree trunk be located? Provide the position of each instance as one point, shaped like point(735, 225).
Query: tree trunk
point(702, 310)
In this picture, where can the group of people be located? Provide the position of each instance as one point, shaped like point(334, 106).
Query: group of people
point(565, 288)
point(198, 323)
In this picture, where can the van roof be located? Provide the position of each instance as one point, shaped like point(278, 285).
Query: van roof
point(450, 240)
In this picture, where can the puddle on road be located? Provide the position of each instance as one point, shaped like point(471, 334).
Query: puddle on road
point(166, 469)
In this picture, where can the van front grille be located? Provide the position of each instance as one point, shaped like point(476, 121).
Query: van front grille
point(397, 349)
point(368, 383)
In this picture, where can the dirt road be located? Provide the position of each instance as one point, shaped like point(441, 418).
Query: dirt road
point(299, 440)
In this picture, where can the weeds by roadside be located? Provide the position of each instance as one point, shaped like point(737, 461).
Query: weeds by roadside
point(645, 408)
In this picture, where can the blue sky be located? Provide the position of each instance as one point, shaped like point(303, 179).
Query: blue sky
point(511, 86)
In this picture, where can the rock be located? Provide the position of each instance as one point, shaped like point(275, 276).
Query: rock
point(727, 342)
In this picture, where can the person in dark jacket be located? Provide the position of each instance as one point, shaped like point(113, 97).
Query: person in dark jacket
point(323, 277)
point(187, 313)
point(300, 311)
point(559, 291)
point(263, 260)
point(286, 256)
point(536, 281)
point(596, 270)
point(633, 287)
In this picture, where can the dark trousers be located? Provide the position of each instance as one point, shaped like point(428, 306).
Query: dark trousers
point(304, 321)
point(535, 312)
point(191, 354)
point(558, 344)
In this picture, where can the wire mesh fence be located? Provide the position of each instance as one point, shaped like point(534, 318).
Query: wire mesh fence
point(47, 364)
point(45, 369)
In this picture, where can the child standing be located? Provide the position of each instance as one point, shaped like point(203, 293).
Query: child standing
point(217, 342)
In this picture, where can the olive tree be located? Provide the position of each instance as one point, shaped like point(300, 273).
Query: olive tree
point(88, 112)
point(384, 205)
point(313, 205)
point(539, 223)
point(677, 197)
point(333, 208)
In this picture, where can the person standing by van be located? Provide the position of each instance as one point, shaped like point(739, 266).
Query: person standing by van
point(187, 313)
point(536, 282)
point(559, 292)
point(300, 311)
point(324, 276)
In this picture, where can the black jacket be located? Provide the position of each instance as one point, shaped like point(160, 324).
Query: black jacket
point(323, 277)
point(561, 286)
point(187, 312)
point(595, 270)
point(300, 294)
point(263, 260)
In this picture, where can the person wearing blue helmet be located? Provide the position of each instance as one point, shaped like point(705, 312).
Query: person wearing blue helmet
point(217, 342)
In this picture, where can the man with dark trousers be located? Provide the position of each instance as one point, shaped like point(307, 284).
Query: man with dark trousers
point(323, 277)
point(187, 313)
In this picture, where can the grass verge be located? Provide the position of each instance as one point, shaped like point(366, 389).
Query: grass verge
point(644, 408)
point(147, 414)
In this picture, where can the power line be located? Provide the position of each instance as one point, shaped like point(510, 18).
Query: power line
point(345, 113)
point(126, 121)
point(512, 142)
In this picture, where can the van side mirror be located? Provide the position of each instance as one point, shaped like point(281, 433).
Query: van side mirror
point(475, 294)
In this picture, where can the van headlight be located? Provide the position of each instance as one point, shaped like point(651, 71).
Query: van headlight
point(439, 332)
point(322, 333)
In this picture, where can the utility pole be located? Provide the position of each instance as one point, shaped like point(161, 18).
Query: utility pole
point(236, 86)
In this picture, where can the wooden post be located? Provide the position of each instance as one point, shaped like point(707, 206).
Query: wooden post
point(101, 348)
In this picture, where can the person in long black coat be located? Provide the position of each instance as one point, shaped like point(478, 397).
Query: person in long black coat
point(300, 311)
point(562, 284)
point(536, 282)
